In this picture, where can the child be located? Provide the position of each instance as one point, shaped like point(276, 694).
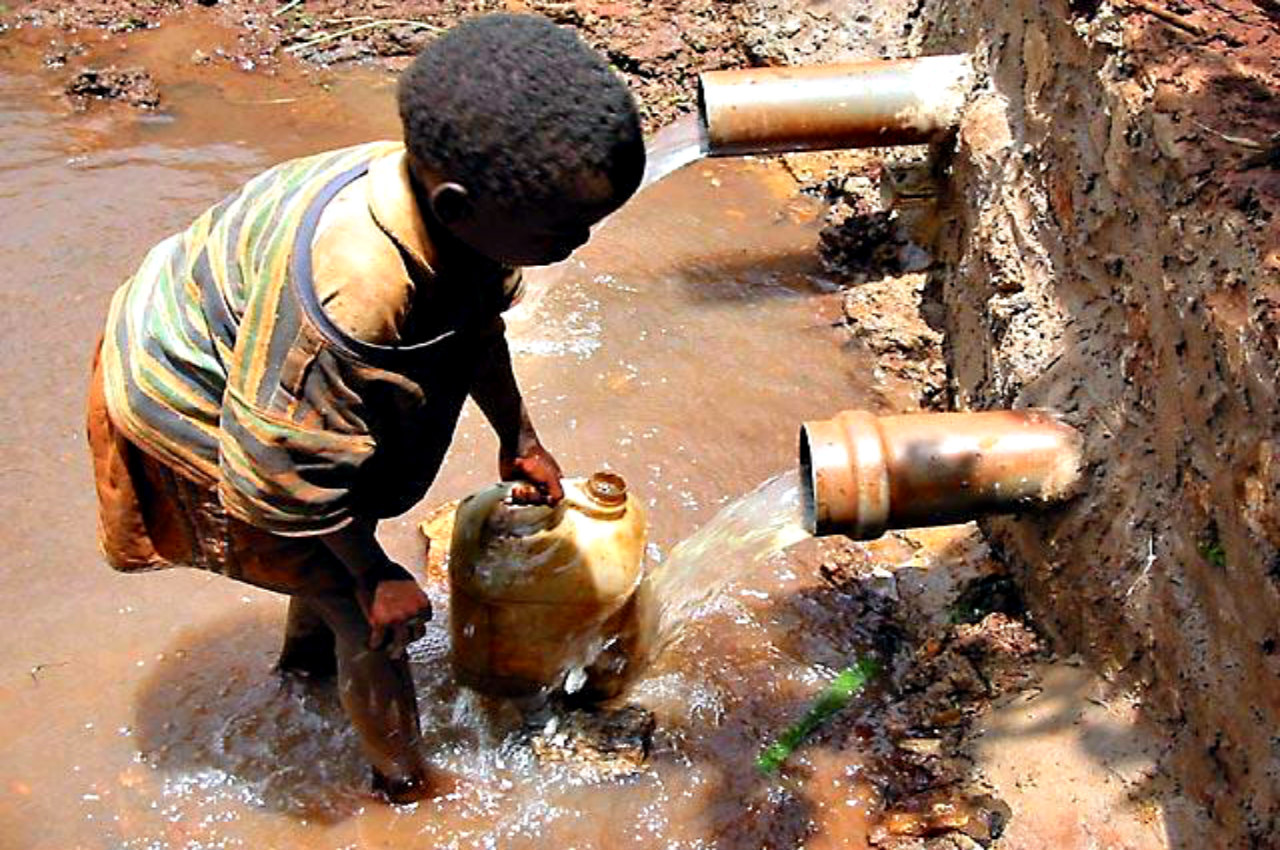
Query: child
point(289, 370)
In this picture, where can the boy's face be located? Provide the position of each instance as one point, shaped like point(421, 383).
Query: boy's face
point(533, 238)
point(536, 237)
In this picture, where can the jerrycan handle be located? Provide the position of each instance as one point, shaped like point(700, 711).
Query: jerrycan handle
point(519, 519)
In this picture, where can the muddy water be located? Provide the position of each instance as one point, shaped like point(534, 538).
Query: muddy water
point(680, 347)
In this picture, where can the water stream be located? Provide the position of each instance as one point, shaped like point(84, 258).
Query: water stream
point(682, 142)
point(743, 535)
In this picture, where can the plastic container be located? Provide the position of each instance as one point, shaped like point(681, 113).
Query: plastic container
point(539, 593)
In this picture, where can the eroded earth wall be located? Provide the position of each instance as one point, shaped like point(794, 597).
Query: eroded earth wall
point(1111, 251)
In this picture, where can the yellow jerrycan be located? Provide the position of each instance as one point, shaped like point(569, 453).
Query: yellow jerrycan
point(539, 593)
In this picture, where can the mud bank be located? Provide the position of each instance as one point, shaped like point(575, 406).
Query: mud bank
point(1112, 252)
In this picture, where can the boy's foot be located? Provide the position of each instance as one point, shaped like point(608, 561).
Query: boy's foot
point(307, 662)
point(408, 789)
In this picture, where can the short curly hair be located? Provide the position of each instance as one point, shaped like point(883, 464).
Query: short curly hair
point(515, 107)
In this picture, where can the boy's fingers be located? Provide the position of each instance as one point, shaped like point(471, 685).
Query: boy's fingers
point(405, 635)
point(413, 632)
point(526, 494)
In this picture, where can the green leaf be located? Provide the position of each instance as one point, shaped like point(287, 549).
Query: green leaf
point(838, 694)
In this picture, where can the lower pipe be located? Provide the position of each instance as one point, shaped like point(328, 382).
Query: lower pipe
point(863, 474)
point(828, 107)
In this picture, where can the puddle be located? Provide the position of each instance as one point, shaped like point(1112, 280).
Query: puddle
point(682, 347)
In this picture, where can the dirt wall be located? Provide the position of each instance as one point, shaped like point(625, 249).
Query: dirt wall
point(1112, 252)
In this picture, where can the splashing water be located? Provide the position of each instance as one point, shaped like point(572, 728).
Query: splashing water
point(673, 147)
point(746, 532)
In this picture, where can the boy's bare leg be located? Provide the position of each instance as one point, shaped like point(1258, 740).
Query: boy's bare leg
point(309, 647)
point(377, 692)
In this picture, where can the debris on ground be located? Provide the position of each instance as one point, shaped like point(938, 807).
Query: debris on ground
point(879, 212)
point(132, 86)
point(957, 640)
point(892, 318)
point(868, 245)
point(941, 822)
point(598, 743)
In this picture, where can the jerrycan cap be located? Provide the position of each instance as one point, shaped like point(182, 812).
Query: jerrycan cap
point(608, 489)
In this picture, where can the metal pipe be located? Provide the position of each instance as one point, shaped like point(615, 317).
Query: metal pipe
point(862, 474)
point(825, 107)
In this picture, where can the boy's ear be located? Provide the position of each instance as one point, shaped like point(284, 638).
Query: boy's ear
point(450, 202)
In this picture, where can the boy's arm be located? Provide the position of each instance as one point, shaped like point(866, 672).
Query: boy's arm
point(392, 601)
point(521, 456)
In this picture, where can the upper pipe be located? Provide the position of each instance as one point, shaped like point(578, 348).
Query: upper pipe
point(826, 107)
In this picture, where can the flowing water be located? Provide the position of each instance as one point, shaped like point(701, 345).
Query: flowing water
point(681, 347)
point(744, 534)
point(682, 142)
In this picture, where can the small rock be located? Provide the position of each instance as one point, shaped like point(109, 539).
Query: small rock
point(133, 86)
point(952, 841)
point(56, 57)
point(661, 43)
point(930, 747)
point(347, 51)
point(602, 743)
point(963, 821)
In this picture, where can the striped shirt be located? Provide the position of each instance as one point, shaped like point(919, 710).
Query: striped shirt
point(226, 358)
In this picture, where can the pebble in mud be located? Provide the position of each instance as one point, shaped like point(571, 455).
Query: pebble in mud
point(947, 821)
point(600, 744)
point(131, 86)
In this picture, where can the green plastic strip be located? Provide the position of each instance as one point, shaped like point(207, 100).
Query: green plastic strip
point(837, 695)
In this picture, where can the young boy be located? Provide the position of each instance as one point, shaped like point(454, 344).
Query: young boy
point(289, 370)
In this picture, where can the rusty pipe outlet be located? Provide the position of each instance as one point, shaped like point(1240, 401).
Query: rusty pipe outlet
point(863, 474)
point(826, 107)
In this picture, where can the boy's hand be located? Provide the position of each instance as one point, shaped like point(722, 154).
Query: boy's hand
point(538, 471)
point(397, 612)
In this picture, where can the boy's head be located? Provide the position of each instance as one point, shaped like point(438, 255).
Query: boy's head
point(520, 136)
